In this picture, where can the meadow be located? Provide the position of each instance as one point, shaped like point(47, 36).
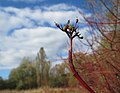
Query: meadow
point(47, 90)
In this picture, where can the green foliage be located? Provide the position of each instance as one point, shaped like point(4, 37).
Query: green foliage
point(42, 68)
point(1, 83)
point(20, 85)
point(24, 76)
point(58, 76)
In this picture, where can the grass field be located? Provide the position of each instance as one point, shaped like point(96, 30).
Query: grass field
point(47, 90)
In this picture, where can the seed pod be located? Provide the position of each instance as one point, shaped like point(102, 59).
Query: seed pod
point(57, 25)
point(74, 29)
point(76, 20)
point(65, 27)
point(68, 22)
point(81, 37)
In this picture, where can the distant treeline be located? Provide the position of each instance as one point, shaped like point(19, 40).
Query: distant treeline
point(38, 73)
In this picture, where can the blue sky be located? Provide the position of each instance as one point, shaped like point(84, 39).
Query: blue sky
point(27, 25)
point(34, 3)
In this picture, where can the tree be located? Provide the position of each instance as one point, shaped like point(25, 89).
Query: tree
point(104, 43)
point(38, 71)
point(46, 73)
point(42, 68)
point(13, 78)
point(1, 83)
point(59, 76)
point(24, 76)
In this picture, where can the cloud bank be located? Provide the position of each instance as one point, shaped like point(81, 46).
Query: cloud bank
point(24, 31)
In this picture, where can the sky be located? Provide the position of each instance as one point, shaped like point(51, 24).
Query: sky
point(27, 25)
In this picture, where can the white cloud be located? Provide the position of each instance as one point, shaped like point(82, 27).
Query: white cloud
point(26, 42)
point(10, 21)
point(60, 7)
point(59, 13)
point(20, 36)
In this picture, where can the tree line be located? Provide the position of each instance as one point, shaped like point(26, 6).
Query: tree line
point(37, 73)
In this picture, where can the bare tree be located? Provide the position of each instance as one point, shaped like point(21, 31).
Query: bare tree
point(104, 43)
